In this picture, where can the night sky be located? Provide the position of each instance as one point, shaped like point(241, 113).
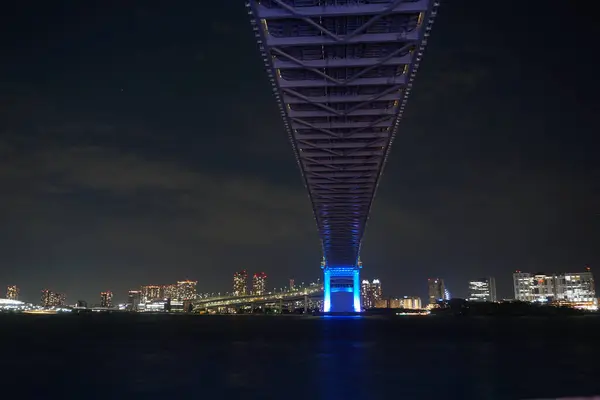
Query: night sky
point(140, 144)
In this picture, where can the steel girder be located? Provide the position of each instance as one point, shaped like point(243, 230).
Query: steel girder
point(341, 71)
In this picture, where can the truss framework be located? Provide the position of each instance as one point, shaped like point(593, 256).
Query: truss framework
point(342, 71)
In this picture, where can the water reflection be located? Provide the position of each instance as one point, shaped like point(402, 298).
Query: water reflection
point(301, 357)
point(341, 359)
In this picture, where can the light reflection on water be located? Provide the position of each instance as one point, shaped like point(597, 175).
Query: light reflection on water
point(310, 358)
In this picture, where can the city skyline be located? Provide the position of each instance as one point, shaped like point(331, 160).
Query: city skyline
point(462, 290)
point(433, 286)
point(121, 157)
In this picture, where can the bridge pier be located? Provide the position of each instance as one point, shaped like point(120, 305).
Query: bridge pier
point(341, 286)
point(305, 304)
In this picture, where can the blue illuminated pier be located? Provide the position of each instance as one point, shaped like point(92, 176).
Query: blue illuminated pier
point(341, 72)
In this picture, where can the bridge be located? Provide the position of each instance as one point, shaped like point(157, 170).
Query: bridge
point(303, 294)
point(341, 72)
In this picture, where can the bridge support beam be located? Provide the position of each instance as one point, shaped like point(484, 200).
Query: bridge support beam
point(341, 286)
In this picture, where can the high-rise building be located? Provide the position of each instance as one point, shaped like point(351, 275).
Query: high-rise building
point(259, 284)
point(152, 292)
point(45, 300)
point(537, 287)
point(52, 299)
point(436, 290)
point(292, 286)
point(482, 289)
point(133, 299)
point(186, 290)
point(575, 288)
point(12, 292)
point(170, 292)
point(240, 283)
point(376, 290)
point(523, 285)
point(106, 299)
point(370, 293)
point(60, 299)
point(365, 299)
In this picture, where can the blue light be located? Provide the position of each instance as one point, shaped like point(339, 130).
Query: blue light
point(327, 291)
point(341, 303)
point(356, 291)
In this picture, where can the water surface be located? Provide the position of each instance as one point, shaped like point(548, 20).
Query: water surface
point(291, 357)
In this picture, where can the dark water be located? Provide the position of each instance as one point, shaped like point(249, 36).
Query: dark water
point(263, 357)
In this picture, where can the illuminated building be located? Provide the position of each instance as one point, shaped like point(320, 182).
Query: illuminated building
point(12, 305)
point(45, 300)
point(482, 289)
point(292, 284)
point(12, 292)
point(376, 292)
point(523, 285)
point(447, 295)
point(152, 292)
point(259, 284)
point(371, 294)
point(382, 303)
point(170, 292)
point(240, 283)
point(436, 290)
point(106, 299)
point(60, 299)
point(409, 303)
point(133, 299)
point(52, 299)
point(186, 290)
point(535, 287)
point(177, 305)
point(576, 288)
point(364, 299)
point(157, 305)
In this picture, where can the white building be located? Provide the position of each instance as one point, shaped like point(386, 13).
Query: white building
point(482, 289)
point(576, 288)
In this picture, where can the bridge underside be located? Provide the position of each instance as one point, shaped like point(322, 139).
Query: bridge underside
point(341, 72)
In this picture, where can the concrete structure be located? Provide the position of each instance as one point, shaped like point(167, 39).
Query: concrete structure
point(134, 298)
point(371, 294)
point(259, 284)
point(240, 283)
point(52, 299)
point(341, 72)
point(574, 288)
point(106, 299)
point(12, 292)
point(152, 292)
point(186, 290)
point(483, 289)
point(407, 302)
point(436, 290)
